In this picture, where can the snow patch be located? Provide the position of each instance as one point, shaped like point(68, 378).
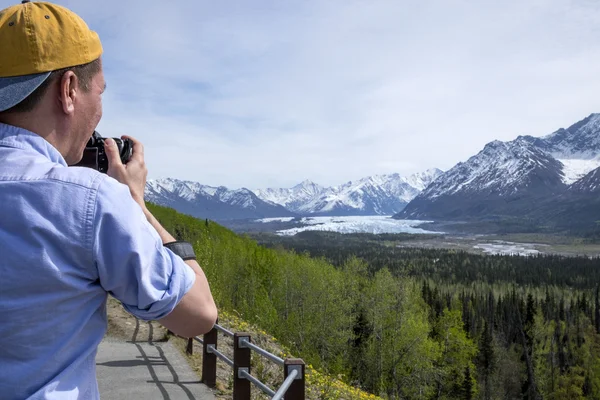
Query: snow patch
point(574, 170)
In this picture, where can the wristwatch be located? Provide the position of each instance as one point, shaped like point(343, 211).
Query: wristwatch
point(182, 249)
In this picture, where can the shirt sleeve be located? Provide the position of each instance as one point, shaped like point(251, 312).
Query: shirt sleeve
point(133, 265)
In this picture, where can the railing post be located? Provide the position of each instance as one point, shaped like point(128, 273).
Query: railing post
point(209, 360)
point(190, 346)
point(241, 361)
point(296, 390)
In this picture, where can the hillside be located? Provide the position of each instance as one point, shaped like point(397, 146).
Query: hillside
point(412, 323)
point(224, 255)
point(123, 325)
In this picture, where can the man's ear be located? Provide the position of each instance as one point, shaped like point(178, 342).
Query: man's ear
point(68, 90)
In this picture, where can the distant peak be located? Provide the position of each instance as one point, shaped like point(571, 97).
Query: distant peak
point(592, 116)
point(305, 183)
point(585, 121)
point(167, 180)
point(174, 180)
point(433, 171)
point(523, 139)
point(496, 144)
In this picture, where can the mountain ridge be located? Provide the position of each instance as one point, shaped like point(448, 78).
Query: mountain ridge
point(556, 173)
point(548, 180)
point(205, 201)
point(373, 195)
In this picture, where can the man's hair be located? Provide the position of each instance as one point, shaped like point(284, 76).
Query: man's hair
point(85, 73)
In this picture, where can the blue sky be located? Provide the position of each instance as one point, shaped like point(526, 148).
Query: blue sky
point(269, 93)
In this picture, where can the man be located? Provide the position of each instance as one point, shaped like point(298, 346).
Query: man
point(70, 235)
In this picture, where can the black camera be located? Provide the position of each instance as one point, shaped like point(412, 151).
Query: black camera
point(94, 155)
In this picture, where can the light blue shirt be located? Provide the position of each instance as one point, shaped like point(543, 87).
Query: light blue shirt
point(69, 237)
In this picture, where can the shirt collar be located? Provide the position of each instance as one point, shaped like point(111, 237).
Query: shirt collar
point(19, 138)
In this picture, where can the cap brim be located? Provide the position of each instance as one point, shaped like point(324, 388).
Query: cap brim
point(14, 90)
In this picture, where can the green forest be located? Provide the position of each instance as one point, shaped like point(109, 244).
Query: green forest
point(407, 323)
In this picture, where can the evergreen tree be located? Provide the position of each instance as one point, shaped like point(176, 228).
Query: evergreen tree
point(597, 309)
point(487, 360)
point(468, 386)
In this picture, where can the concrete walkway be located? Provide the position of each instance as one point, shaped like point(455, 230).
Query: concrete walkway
point(146, 370)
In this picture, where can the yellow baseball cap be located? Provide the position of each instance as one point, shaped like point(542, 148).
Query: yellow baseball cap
point(37, 38)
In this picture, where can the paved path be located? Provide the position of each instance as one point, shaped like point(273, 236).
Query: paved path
point(146, 370)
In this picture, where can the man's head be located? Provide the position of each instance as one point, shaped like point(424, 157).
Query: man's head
point(51, 77)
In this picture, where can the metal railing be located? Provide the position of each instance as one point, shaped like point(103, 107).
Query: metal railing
point(292, 388)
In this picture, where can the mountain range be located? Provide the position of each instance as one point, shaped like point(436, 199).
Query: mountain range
point(217, 203)
point(552, 182)
point(374, 195)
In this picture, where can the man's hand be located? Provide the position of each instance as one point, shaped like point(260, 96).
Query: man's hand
point(132, 174)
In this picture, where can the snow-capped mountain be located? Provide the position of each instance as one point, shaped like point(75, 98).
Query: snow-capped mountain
point(576, 209)
point(380, 194)
point(421, 180)
point(589, 184)
point(293, 198)
point(580, 141)
point(500, 169)
point(374, 195)
point(204, 201)
point(577, 147)
point(519, 178)
point(500, 174)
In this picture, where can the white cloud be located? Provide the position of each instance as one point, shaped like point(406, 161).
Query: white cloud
point(268, 93)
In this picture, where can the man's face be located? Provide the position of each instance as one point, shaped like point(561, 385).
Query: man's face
point(88, 113)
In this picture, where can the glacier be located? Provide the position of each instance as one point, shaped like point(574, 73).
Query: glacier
point(352, 224)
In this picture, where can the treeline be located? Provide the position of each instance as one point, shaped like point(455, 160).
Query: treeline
point(532, 344)
point(398, 334)
point(441, 265)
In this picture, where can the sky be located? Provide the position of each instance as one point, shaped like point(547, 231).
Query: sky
point(263, 94)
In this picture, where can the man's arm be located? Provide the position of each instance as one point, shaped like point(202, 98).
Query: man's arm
point(196, 313)
point(187, 319)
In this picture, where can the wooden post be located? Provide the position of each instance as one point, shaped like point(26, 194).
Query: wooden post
point(297, 390)
point(209, 360)
point(190, 346)
point(241, 359)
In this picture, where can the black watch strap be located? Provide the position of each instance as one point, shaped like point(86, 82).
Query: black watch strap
point(182, 249)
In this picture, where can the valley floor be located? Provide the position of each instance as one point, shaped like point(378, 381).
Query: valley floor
point(478, 238)
point(521, 244)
